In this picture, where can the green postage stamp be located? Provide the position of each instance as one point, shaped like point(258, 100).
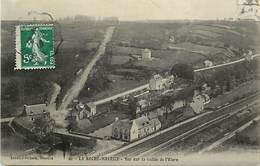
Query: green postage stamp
point(35, 46)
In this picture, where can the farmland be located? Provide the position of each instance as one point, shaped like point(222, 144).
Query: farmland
point(173, 42)
point(81, 41)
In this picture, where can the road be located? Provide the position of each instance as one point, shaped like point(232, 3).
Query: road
point(140, 147)
point(146, 86)
point(64, 132)
point(228, 136)
point(6, 120)
point(79, 83)
point(55, 93)
point(225, 64)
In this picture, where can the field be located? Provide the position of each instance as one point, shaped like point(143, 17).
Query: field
point(81, 41)
point(194, 42)
point(119, 70)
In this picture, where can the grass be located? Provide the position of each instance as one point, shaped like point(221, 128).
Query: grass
point(238, 92)
point(201, 40)
point(33, 87)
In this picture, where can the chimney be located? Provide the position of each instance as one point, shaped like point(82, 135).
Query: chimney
point(24, 107)
point(116, 119)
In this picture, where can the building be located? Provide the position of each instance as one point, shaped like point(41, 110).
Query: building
point(36, 111)
point(82, 111)
point(172, 39)
point(157, 82)
point(141, 105)
point(146, 54)
point(198, 102)
point(121, 129)
point(208, 63)
point(91, 108)
point(127, 130)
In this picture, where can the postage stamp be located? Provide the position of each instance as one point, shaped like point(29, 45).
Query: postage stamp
point(35, 46)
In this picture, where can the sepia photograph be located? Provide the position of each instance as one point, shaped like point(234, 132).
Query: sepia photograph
point(130, 82)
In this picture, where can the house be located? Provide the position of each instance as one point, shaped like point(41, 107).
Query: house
point(127, 130)
point(82, 111)
point(172, 39)
point(121, 129)
point(157, 82)
point(36, 111)
point(198, 102)
point(146, 54)
point(205, 88)
point(208, 63)
point(91, 108)
point(144, 126)
point(141, 104)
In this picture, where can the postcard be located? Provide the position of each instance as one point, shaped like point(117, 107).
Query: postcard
point(130, 82)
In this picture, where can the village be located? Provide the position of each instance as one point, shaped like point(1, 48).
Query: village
point(168, 99)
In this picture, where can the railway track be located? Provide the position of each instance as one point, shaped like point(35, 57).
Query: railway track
point(168, 146)
point(169, 136)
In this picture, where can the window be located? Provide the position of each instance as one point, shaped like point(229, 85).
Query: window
point(121, 133)
point(116, 132)
point(126, 134)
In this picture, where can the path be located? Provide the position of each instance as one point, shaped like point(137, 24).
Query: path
point(225, 64)
point(146, 86)
point(79, 83)
point(121, 94)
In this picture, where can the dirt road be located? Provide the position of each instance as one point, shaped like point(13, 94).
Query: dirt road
point(79, 83)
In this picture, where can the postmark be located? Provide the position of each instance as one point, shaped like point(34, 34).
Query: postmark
point(248, 9)
point(35, 46)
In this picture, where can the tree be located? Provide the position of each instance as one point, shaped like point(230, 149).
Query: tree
point(43, 126)
point(184, 71)
point(167, 102)
point(132, 106)
point(72, 122)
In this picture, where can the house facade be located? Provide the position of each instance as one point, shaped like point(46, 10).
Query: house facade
point(198, 102)
point(36, 111)
point(127, 130)
point(147, 54)
point(144, 126)
point(81, 111)
point(157, 82)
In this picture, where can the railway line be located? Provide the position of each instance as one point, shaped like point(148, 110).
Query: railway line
point(228, 136)
point(146, 86)
point(164, 138)
point(168, 146)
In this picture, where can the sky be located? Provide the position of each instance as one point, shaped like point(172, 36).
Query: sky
point(123, 9)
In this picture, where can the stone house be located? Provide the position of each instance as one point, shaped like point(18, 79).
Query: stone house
point(141, 105)
point(36, 111)
point(157, 82)
point(198, 102)
point(208, 63)
point(127, 130)
point(146, 54)
point(82, 111)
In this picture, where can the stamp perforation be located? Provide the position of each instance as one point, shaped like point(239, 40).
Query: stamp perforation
point(37, 55)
